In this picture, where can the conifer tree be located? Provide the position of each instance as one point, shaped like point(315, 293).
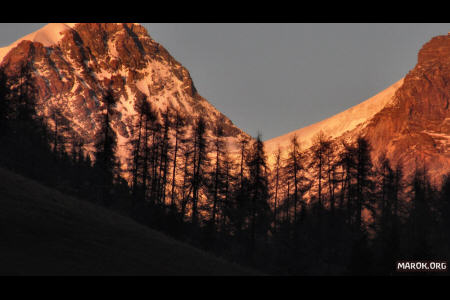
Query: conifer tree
point(201, 163)
point(276, 182)
point(240, 203)
point(294, 170)
point(229, 182)
point(364, 179)
point(164, 158)
point(105, 149)
point(388, 222)
point(421, 220)
point(259, 213)
point(179, 124)
point(319, 151)
point(218, 172)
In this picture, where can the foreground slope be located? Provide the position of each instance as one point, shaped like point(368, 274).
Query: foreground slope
point(44, 232)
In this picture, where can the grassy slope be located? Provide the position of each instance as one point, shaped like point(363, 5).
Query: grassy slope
point(43, 232)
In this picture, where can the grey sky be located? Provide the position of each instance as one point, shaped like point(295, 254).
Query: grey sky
point(280, 77)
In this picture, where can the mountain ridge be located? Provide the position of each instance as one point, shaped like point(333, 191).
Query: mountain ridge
point(338, 124)
point(73, 63)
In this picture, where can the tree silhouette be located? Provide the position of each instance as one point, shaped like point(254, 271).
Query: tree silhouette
point(276, 181)
point(218, 172)
point(105, 150)
point(320, 154)
point(294, 173)
point(388, 221)
point(179, 131)
point(200, 146)
point(421, 218)
point(259, 192)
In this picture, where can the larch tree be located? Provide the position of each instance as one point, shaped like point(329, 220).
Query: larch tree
point(201, 163)
point(364, 179)
point(178, 125)
point(105, 148)
point(217, 175)
point(294, 170)
point(388, 222)
point(276, 182)
point(259, 213)
point(319, 151)
point(164, 160)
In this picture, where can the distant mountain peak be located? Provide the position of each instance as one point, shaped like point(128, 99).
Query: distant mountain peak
point(409, 121)
point(436, 50)
point(48, 35)
point(52, 33)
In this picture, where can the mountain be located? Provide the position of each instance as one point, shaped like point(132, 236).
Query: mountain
point(45, 232)
point(72, 66)
point(409, 121)
point(416, 127)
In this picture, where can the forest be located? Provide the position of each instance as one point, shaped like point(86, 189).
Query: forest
point(328, 210)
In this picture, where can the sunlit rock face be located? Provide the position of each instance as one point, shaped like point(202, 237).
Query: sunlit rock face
point(73, 65)
point(416, 127)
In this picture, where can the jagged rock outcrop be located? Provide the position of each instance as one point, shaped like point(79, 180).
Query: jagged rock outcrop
point(415, 127)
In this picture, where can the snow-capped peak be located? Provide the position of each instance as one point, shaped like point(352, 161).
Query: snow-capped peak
point(48, 35)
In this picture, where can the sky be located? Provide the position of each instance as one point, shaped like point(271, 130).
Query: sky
point(276, 78)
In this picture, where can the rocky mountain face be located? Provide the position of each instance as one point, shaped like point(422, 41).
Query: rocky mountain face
point(72, 66)
point(415, 128)
point(409, 121)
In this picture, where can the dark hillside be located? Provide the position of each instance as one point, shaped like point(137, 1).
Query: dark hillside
point(44, 232)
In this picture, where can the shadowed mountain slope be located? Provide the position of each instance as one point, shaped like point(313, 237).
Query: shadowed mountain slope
point(45, 232)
